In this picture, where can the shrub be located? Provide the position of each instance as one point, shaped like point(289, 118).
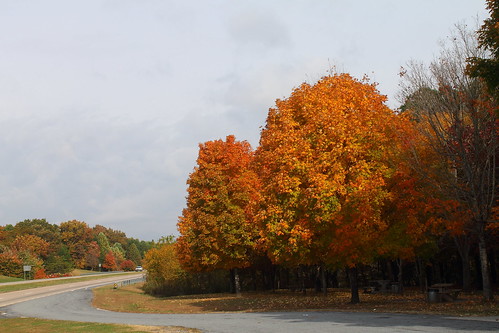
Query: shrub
point(110, 262)
point(127, 265)
point(11, 264)
point(166, 277)
point(59, 263)
point(40, 274)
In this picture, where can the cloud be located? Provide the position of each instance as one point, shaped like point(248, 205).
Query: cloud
point(258, 27)
point(103, 104)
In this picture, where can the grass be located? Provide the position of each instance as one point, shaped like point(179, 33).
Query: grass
point(31, 325)
point(4, 278)
point(49, 282)
point(79, 272)
point(133, 299)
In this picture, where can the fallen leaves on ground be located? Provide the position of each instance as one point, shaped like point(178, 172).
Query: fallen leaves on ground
point(133, 299)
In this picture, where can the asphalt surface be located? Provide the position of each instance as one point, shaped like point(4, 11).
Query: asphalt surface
point(13, 297)
point(76, 305)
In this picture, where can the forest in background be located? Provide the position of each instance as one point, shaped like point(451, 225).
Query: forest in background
point(55, 250)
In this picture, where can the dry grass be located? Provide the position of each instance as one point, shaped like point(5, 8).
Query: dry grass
point(133, 299)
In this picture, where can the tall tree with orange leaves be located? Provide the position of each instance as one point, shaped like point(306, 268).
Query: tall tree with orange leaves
point(217, 230)
point(323, 164)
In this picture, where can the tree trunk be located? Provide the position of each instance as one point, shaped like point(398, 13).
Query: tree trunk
point(389, 270)
point(436, 272)
point(493, 267)
point(323, 280)
point(400, 263)
point(237, 284)
point(302, 280)
point(484, 265)
point(354, 285)
point(463, 247)
point(273, 278)
point(466, 272)
point(423, 281)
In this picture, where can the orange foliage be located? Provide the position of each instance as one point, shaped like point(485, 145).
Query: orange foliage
point(40, 274)
point(217, 229)
point(31, 243)
point(324, 160)
point(110, 262)
point(76, 236)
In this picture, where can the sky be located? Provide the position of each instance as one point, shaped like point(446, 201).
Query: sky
point(103, 103)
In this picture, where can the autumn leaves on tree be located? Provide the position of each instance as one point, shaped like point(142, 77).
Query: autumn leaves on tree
point(315, 192)
point(323, 162)
point(340, 180)
point(217, 227)
point(53, 249)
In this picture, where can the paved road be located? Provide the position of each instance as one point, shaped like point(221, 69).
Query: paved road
point(96, 274)
point(76, 305)
point(13, 297)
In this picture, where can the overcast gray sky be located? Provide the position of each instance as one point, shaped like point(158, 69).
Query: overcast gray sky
point(103, 103)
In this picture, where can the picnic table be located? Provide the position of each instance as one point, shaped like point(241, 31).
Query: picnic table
point(442, 292)
point(378, 286)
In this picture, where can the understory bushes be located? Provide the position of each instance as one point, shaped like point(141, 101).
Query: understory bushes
point(166, 277)
point(189, 284)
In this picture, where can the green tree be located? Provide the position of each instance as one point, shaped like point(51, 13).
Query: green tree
point(143, 246)
point(60, 262)
point(487, 68)
point(118, 253)
point(133, 254)
point(113, 236)
point(104, 246)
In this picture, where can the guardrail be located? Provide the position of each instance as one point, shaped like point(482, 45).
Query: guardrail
point(124, 283)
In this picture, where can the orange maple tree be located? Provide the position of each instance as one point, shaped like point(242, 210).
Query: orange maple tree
point(76, 235)
point(217, 229)
point(323, 163)
point(110, 262)
point(32, 244)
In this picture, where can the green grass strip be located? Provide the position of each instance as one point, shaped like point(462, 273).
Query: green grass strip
point(4, 279)
point(45, 283)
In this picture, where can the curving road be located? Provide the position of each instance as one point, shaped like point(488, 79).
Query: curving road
point(76, 305)
point(13, 297)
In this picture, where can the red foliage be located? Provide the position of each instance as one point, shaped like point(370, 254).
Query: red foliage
point(110, 262)
point(57, 275)
point(40, 274)
point(127, 265)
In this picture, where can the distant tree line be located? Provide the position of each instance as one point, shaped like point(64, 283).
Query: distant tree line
point(53, 250)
